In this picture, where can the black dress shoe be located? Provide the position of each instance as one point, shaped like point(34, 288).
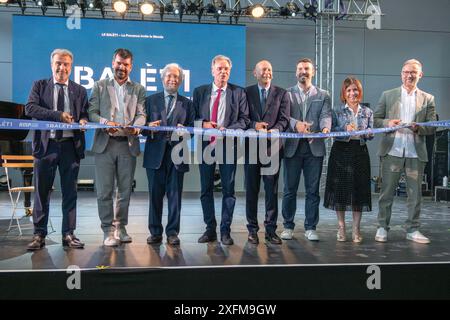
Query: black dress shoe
point(173, 240)
point(72, 241)
point(226, 240)
point(273, 238)
point(207, 237)
point(37, 243)
point(154, 239)
point(253, 238)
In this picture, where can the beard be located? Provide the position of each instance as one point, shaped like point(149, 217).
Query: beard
point(303, 78)
point(120, 74)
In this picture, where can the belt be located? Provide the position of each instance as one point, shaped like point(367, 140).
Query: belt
point(119, 138)
point(62, 139)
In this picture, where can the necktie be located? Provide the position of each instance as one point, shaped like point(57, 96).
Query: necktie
point(263, 101)
point(215, 111)
point(169, 106)
point(60, 107)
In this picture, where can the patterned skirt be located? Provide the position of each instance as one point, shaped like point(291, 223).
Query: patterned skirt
point(348, 178)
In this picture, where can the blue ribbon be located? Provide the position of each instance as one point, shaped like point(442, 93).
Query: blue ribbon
point(21, 124)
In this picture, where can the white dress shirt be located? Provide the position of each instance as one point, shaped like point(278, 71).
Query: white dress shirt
point(404, 138)
point(119, 113)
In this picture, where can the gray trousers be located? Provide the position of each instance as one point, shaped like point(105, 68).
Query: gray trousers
point(391, 168)
point(114, 171)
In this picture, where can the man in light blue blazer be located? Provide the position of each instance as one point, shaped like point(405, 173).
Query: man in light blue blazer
point(310, 112)
point(404, 150)
point(117, 101)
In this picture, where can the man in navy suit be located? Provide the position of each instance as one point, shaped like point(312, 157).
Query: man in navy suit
point(62, 100)
point(220, 105)
point(269, 108)
point(310, 112)
point(167, 108)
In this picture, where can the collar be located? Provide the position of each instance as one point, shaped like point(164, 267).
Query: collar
point(350, 109)
point(267, 88)
point(405, 92)
point(166, 94)
point(118, 85)
point(215, 88)
point(311, 91)
point(56, 82)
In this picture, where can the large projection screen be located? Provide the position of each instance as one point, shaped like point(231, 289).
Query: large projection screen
point(154, 44)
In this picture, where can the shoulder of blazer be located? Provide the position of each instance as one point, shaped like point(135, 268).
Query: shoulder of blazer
point(251, 88)
point(203, 88)
point(75, 86)
point(104, 82)
point(234, 87)
point(393, 92)
point(136, 85)
point(277, 89)
point(426, 95)
point(157, 95)
point(183, 98)
point(321, 92)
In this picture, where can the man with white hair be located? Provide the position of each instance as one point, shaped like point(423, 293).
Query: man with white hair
point(166, 108)
point(404, 150)
point(219, 105)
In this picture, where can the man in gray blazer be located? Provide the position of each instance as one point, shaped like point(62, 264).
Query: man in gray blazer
point(310, 112)
point(404, 149)
point(116, 102)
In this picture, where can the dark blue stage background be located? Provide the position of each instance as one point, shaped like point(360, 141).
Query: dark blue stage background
point(154, 44)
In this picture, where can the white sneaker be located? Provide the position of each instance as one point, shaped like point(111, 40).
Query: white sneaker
point(311, 235)
point(121, 235)
point(381, 235)
point(110, 240)
point(416, 236)
point(287, 234)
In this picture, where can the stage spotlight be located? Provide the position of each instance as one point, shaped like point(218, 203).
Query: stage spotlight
point(178, 7)
point(43, 4)
point(310, 10)
point(83, 6)
point(168, 8)
point(63, 7)
point(195, 7)
point(216, 6)
point(4, 1)
point(192, 7)
point(290, 10)
point(120, 6)
point(147, 7)
point(256, 11)
point(98, 4)
point(22, 5)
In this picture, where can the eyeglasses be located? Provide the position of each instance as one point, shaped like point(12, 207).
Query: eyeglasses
point(410, 72)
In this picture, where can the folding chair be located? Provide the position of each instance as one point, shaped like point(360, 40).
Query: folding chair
point(17, 162)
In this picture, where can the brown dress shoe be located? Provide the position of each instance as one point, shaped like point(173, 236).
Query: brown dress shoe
point(72, 241)
point(37, 243)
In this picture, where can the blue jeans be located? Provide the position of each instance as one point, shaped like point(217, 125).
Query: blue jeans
point(303, 160)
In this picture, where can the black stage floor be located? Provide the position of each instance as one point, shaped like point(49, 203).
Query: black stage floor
point(296, 269)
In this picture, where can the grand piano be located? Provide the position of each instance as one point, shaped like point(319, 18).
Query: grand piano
point(14, 142)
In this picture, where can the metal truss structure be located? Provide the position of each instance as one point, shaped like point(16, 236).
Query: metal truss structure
point(324, 13)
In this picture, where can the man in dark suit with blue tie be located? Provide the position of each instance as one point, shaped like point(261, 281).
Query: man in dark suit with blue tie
point(62, 100)
point(269, 108)
point(220, 105)
point(167, 108)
